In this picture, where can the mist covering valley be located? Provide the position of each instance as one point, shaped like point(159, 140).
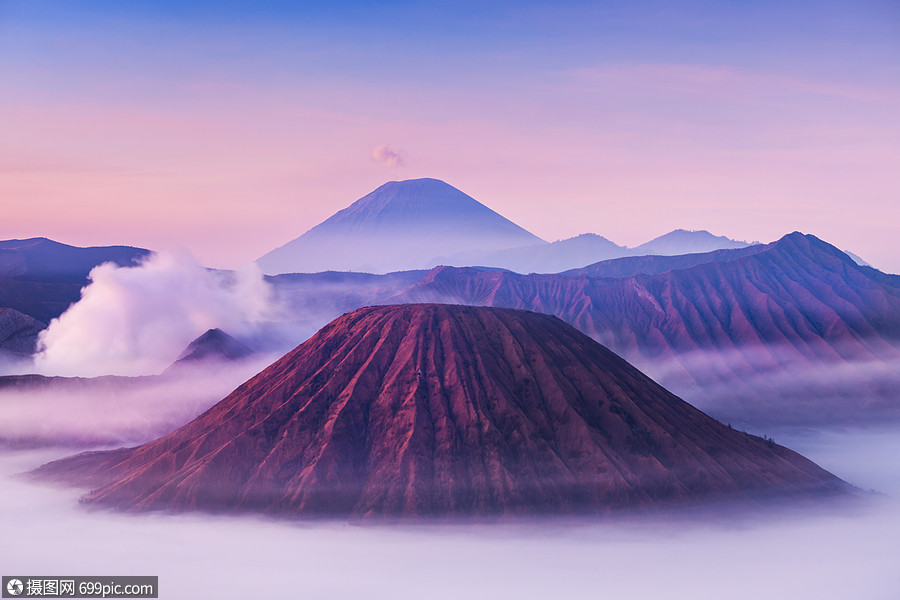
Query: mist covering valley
point(828, 553)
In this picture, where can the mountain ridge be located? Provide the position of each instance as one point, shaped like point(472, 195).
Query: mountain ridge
point(44, 260)
point(722, 326)
point(41, 278)
point(563, 256)
point(687, 241)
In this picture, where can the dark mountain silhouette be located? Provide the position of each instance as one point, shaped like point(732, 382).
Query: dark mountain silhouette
point(451, 411)
point(41, 301)
point(42, 278)
point(18, 334)
point(399, 226)
point(40, 259)
point(759, 335)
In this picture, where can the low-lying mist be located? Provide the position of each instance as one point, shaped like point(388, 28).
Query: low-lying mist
point(114, 410)
point(736, 387)
point(809, 554)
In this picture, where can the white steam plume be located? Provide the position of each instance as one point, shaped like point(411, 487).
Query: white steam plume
point(136, 320)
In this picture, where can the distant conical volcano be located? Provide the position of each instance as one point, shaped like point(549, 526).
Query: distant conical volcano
point(211, 348)
point(440, 410)
point(399, 226)
point(214, 344)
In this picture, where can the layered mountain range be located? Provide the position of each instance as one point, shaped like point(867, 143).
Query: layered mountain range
point(586, 249)
point(422, 223)
point(795, 329)
point(725, 329)
point(445, 411)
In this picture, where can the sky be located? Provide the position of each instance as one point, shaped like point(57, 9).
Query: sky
point(230, 128)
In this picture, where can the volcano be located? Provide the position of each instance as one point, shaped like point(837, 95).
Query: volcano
point(399, 226)
point(450, 411)
point(18, 333)
point(215, 344)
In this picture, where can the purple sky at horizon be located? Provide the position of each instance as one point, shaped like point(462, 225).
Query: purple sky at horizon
point(229, 128)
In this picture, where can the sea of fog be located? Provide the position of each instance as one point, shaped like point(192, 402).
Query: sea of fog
point(832, 553)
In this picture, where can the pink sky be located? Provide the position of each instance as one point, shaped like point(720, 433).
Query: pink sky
point(231, 157)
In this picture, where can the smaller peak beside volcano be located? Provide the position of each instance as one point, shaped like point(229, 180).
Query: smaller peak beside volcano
point(398, 226)
point(214, 345)
point(683, 241)
point(18, 333)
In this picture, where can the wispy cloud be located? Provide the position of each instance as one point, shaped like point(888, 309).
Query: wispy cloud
point(384, 154)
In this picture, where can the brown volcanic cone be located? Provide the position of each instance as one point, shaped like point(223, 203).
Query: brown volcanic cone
point(444, 410)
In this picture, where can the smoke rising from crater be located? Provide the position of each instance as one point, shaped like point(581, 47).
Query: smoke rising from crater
point(136, 320)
